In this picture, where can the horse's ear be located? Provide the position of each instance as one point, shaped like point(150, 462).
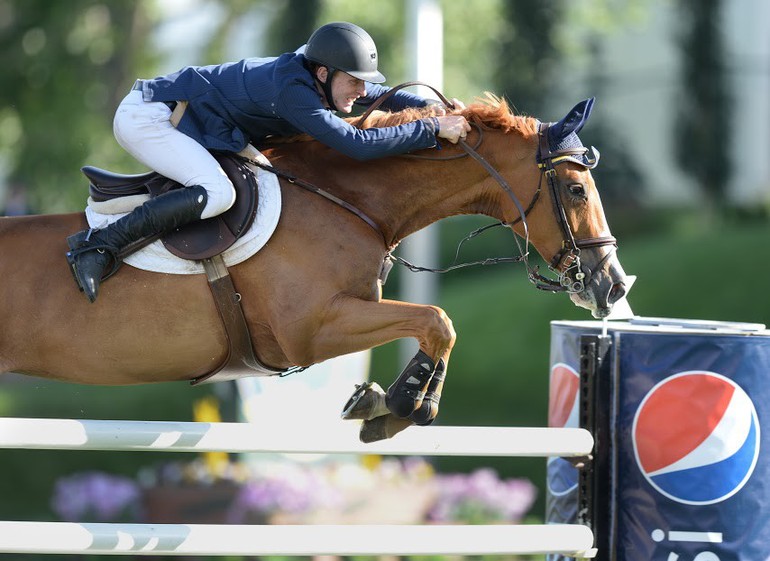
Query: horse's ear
point(573, 122)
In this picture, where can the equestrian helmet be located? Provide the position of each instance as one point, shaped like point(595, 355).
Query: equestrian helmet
point(346, 47)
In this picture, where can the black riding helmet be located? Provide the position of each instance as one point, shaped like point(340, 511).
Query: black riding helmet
point(346, 47)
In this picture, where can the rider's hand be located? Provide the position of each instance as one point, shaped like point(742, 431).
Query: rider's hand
point(439, 109)
point(452, 127)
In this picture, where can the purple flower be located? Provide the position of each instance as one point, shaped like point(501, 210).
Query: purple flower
point(481, 497)
point(95, 496)
point(290, 491)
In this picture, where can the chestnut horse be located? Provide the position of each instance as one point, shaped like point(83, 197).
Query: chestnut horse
point(313, 292)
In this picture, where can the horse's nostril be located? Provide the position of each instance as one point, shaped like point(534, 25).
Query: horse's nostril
point(617, 292)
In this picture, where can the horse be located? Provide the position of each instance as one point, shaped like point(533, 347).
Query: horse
point(314, 291)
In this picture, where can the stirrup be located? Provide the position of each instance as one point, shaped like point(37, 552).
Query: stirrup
point(80, 243)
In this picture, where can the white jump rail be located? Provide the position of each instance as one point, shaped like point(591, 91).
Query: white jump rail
point(70, 434)
point(19, 537)
point(210, 539)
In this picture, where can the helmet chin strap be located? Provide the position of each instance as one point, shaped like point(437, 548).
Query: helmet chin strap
point(327, 87)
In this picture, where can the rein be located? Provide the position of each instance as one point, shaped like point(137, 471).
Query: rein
point(566, 263)
point(294, 180)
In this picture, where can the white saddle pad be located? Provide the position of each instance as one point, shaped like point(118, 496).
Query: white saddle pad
point(156, 258)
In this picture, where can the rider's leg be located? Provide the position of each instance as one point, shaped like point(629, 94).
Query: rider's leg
point(93, 252)
point(145, 131)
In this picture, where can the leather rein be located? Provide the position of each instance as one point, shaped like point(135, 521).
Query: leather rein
point(566, 263)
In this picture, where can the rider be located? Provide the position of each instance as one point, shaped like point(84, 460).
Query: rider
point(232, 104)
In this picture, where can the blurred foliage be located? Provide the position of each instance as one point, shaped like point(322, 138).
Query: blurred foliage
point(528, 56)
point(704, 122)
point(68, 64)
point(65, 65)
point(295, 22)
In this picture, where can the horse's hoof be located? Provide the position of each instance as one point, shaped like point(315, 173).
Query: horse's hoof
point(382, 427)
point(367, 402)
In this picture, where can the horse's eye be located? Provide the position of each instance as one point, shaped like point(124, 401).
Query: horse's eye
point(577, 190)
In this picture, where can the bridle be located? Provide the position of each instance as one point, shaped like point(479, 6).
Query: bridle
point(566, 264)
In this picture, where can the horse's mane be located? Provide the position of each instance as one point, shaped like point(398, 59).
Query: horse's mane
point(489, 112)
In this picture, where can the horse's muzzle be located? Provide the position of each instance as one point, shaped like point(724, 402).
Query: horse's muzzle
point(606, 285)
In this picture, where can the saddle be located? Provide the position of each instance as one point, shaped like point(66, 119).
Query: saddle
point(201, 239)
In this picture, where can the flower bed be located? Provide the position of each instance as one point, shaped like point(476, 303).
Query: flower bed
point(388, 492)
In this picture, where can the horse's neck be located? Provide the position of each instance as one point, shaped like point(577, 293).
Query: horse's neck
point(404, 195)
point(414, 193)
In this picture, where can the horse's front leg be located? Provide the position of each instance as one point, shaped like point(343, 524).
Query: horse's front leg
point(353, 324)
point(408, 400)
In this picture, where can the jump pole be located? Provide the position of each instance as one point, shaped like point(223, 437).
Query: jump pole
point(572, 540)
point(70, 434)
point(210, 539)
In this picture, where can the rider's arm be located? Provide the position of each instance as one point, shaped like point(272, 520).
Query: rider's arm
point(301, 106)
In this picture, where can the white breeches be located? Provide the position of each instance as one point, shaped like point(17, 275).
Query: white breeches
point(144, 130)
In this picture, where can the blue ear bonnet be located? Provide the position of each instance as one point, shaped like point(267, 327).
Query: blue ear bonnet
point(562, 135)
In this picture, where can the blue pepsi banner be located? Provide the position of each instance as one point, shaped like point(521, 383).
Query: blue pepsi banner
point(688, 466)
point(563, 410)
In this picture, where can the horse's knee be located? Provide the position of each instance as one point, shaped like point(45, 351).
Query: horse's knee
point(442, 331)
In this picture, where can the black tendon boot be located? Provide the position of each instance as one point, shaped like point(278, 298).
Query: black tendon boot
point(92, 252)
point(426, 413)
point(405, 395)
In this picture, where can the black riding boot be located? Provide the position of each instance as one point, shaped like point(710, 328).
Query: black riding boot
point(92, 252)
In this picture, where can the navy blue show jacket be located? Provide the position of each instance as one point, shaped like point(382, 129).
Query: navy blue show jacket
point(232, 104)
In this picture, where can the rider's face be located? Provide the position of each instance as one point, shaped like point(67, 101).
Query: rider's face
point(345, 89)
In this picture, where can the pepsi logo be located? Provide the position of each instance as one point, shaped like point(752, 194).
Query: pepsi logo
point(563, 389)
point(696, 437)
point(563, 409)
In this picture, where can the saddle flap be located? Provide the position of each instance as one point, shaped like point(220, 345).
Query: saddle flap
point(203, 239)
